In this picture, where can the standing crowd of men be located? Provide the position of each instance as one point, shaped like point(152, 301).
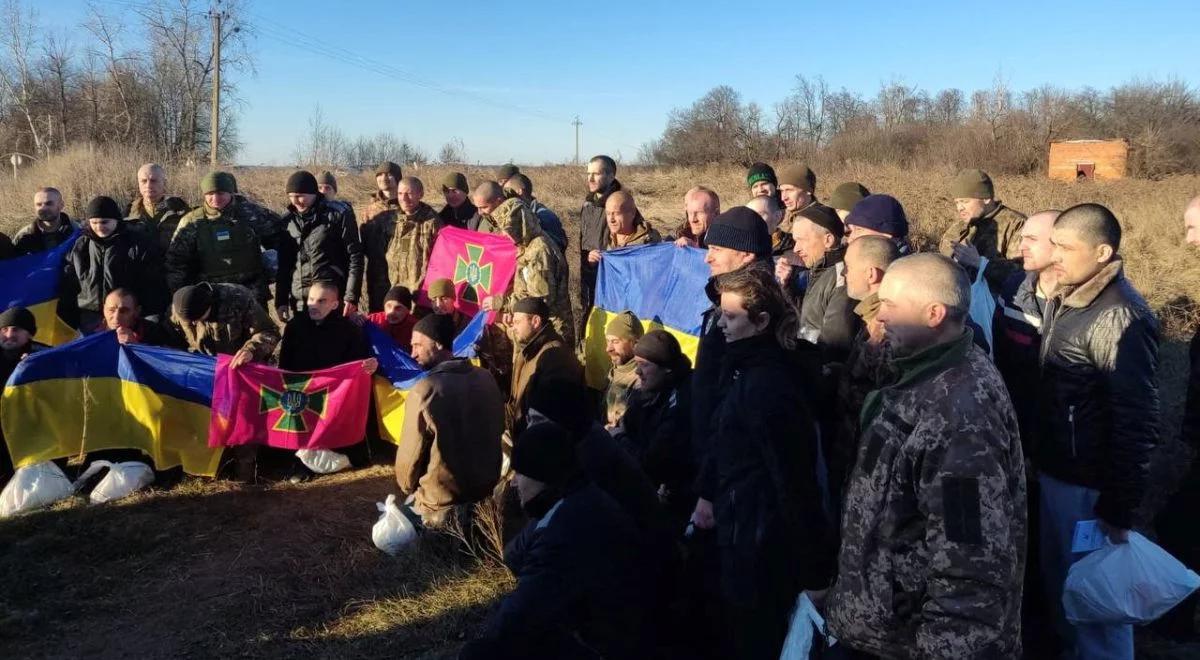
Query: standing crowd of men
point(845, 428)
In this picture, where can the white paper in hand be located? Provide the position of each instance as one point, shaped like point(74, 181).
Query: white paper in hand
point(393, 530)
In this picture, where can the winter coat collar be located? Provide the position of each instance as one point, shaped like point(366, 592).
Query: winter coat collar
point(1085, 294)
point(916, 368)
point(544, 336)
point(423, 213)
point(641, 229)
point(868, 308)
point(599, 198)
point(452, 366)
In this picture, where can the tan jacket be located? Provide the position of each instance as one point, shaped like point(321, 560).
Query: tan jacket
point(449, 450)
point(543, 358)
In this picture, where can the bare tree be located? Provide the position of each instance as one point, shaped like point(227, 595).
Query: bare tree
point(16, 78)
point(454, 152)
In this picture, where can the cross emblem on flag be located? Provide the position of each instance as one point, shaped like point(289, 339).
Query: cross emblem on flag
point(293, 403)
point(476, 274)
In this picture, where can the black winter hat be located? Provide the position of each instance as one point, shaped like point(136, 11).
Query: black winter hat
point(761, 172)
point(303, 183)
point(400, 294)
point(742, 229)
point(535, 306)
point(881, 213)
point(662, 348)
point(102, 207)
point(825, 218)
point(192, 302)
point(19, 317)
point(564, 402)
point(545, 452)
point(438, 327)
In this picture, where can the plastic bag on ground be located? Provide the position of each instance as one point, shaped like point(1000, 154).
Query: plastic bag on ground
point(805, 625)
point(323, 461)
point(393, 530)
point(1134, 582)
point(123, 479)
point(34, 486)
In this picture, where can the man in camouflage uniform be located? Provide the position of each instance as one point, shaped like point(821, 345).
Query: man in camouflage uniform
point(985, 228)
point(387, 182)
point(224, 318)
point(933, 532)
point(153, 212)
point(541, 266)
point(222, 240)
point(403, 241)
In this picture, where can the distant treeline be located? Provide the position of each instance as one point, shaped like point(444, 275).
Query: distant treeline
point(997, 128)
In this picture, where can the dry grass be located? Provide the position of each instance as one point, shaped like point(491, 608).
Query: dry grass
point(213, 569)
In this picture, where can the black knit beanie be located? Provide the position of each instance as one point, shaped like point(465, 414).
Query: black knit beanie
point(761, 172)
point(438, 327)
point(192, 302)
point(741, 229)
point(564, 402)
point(537, 306)
point(102, 207)
point(19, 317)
point(662, 348)
point(825, 218)
point(302, 183)
point(400, 294)
point(545, 452)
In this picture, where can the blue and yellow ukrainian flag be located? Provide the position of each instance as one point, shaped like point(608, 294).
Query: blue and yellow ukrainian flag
point(95, 393)
point(32, 281)
point(398, 372)
point(662, 284)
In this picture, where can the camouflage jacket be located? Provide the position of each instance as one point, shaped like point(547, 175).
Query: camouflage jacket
point(160, 222)
point(379, 205)
point(541, 266)
point(997, 236)
point(236, 322)
point(412, 238)
point(621, 380)
point(934, 521)
point(376, 235)
point(193, 258)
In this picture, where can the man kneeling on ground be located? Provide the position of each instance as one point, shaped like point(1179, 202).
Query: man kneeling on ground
point(449, 450)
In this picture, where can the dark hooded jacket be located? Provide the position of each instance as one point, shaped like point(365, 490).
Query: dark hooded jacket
point(310, 345)
point(321, 244)
point(33, 239)
point(126, 259)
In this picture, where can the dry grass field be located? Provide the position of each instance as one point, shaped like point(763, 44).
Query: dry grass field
point(210, 569)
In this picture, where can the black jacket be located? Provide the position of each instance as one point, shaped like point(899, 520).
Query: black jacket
point(579, 575)
point(1016, 333)
point(458, 217)
point(656, 430)
point(7, 251)
point(619, 475)
point(129, 259)
point(1191, 409)
point(593, 229)
point(1098, 395)
point(768, 504)
point(827, 317)
point(322, 244)
point(706, 386)
point(309, 345)
point(32, 239)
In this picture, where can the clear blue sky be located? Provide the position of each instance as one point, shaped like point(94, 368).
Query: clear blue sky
point(515, 74)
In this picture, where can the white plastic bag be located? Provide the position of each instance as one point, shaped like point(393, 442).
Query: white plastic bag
point(983, 304)
point(1134, 582)
point(323, 461)
point(805, 622)
point(394, 530)
point(34, 486)
point(122, 480)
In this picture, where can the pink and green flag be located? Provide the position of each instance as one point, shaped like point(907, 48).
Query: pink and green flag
point(260, 405)
point(479, 264)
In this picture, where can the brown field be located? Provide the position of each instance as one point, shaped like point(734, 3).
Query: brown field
point(215, 569)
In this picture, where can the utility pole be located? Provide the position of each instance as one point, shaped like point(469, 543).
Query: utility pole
point(215, 128)
point(577, 124)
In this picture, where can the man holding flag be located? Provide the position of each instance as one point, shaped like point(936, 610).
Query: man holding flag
point(449, 450)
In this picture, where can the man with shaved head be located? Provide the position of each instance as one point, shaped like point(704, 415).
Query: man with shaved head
point(626, 226)
point(941, 470)
point(700, 206)
point(153, 212)
point(1177, 530)
point(1098, 408)
point(487, 197)
point(593, 230)
point(50, 226)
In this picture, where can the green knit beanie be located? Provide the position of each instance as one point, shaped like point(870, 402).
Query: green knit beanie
point(218, 182)
point(800, 176)
point(848, 194)
point(625, 325)
point(457, 181)
point(972, 184)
